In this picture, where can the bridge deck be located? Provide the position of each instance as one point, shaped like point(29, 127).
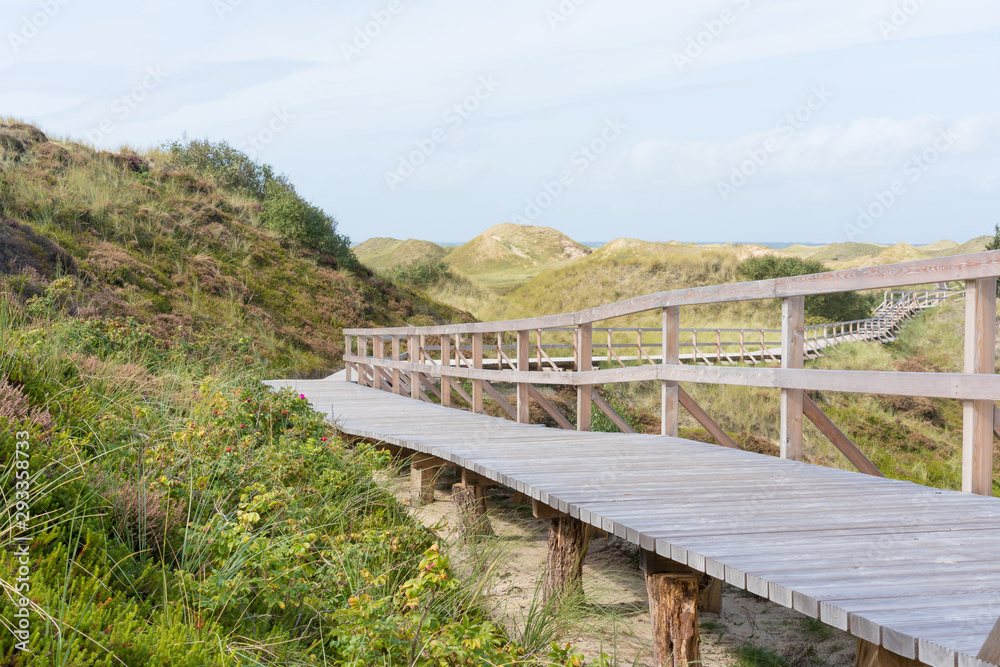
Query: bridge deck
point(912, 568)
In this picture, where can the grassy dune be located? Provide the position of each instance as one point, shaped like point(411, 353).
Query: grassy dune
point(181, 512)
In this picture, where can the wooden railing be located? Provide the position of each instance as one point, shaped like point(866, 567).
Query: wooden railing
point(468, 358)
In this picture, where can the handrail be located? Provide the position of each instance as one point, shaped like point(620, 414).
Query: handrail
point(977, 387)
point(950, 269)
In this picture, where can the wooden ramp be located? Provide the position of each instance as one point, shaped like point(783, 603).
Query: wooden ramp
point(913, 569)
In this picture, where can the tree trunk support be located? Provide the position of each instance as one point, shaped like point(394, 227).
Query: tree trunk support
point(673, 608)
point(470, 503)
point(568, 542)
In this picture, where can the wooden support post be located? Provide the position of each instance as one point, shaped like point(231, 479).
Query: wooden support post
point(873, 655)
point(523, 394)
point(347, 351)
point(793, 316)
point(446, 364)
point(477, 363)
point(413, 356)
point(671, 354)
point(397, 385)
point(673, 608)
point(470, 503)
point(568, 541)
point(980, 357)
point(990, 652)
point(584, 362)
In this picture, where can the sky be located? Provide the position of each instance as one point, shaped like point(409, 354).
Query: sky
point(711, 121)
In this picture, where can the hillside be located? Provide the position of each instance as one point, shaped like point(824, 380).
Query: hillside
point(386, 254)
point(182, 254)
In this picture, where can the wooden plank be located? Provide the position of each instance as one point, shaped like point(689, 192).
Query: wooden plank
point(793, 319)
point(932, 385)
point(707, 422)
point(996, 420)
point(980, 358)
point(837, 437)
point(551, 409)
point(959, 267)
point(990, 652)
point(584, 362)
point(523, 364)
point(669, 406)
point(611, 413)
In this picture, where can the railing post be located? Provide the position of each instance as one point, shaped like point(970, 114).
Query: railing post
point(523, 363)
point(792, 353)
point(347, 351)
point(584, 362)
point(362, 366)
point(397, 383)
point(980, 357)
point(446, 366)
point(378, 352)
point(413, 356)
point(477, 363)
point(671, 354)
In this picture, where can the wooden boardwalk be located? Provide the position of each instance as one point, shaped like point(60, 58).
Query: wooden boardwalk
point(913, 569)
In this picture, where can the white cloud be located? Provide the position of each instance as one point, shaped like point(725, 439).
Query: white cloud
point(865, 146)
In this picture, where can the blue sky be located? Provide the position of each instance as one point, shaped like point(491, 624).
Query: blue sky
point(726, 120)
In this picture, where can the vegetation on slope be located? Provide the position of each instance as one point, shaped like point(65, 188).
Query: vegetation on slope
point(183, 513)
point(197, 242)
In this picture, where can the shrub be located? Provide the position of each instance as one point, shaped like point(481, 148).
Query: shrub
point(839, 307)
point(421, 274)
point(231, 168)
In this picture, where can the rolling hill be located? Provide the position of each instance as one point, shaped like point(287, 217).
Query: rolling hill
point(384, 254)
point(507, 255)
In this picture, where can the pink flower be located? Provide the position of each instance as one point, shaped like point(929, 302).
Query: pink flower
point(302, 396)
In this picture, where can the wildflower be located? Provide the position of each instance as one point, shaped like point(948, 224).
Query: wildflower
point(323, 438)
point(302, 396)
point(229, 450)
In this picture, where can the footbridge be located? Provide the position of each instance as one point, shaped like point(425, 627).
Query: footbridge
point(913, 572)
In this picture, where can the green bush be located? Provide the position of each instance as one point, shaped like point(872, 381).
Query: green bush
point(838, 307)
point(421, 274)
point(231, 168)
